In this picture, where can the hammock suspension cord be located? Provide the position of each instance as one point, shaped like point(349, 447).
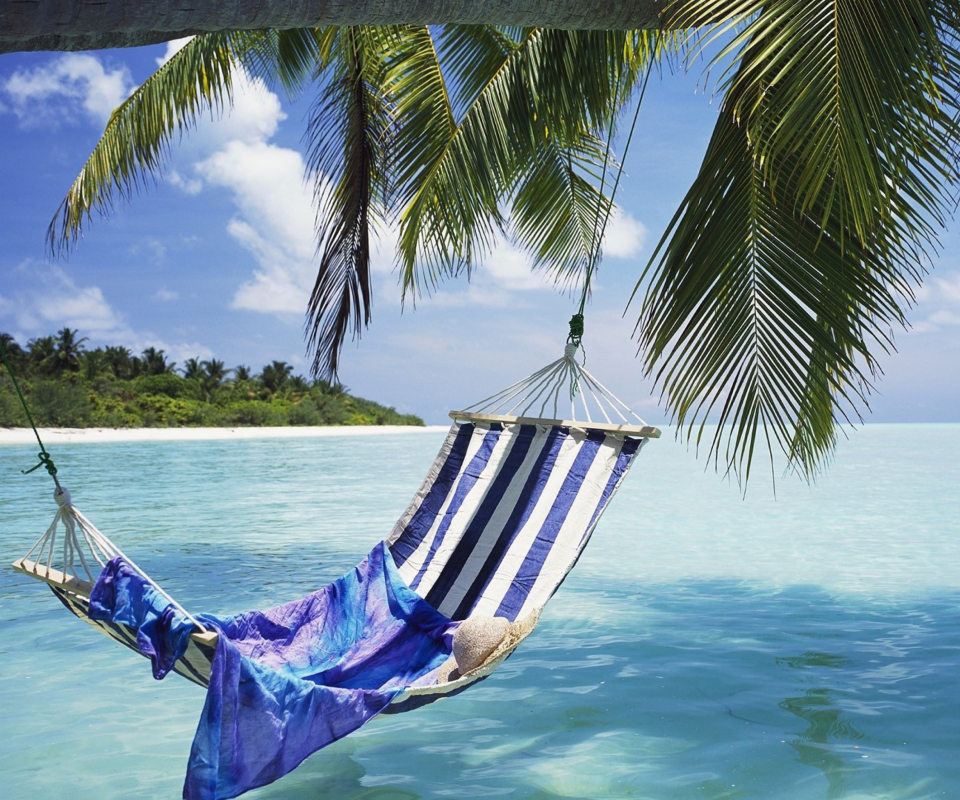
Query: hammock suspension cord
point(45, 459)
point(599, 229)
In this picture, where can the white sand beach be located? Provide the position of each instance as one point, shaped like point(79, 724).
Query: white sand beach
point(22, 436)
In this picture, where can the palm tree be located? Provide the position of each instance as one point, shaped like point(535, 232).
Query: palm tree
point(213, 374)
point(331, 389)
point(797, 249)
point(296, 387)
point(155, 362)
point(15, 353)
point(118, 360)
point(192, 369)
point(66, 354)
point(93, 363)
point(41, 353)
point(384, 101)
point(242, 373)
point(274, 375)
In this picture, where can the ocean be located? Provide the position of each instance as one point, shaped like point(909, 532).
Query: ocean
point(707, 645)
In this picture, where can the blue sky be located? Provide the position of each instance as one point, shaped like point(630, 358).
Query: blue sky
point(216, 258)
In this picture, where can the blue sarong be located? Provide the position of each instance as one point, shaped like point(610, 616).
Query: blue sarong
point(121, 595)
point(289, 680)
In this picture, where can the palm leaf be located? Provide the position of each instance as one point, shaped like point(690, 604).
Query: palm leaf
point(346, 145)
point(196, 79)
point(526, 98)
point(813, 216)
point(558, 208)
point(137, 136)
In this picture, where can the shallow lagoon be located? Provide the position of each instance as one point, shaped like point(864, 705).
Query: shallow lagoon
point(706, 645)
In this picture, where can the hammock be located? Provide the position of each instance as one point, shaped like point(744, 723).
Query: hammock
point(502, 516)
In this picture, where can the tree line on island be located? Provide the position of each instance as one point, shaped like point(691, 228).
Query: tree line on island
point(67, 384)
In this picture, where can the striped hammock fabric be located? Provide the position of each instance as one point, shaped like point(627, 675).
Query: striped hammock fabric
point(504, 514)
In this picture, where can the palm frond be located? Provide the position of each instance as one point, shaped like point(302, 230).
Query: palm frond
point(288, 57)
point(812, 217)
point(525, 96)
point(421, 106)
point(346, 145)
point(196, 80)
point(137, 136)
point(558, 208)
point(450, 201)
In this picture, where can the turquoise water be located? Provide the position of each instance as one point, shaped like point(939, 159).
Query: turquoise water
point(706, 645)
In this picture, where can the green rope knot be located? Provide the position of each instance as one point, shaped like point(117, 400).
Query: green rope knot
point(45, 461)
point(576, 329)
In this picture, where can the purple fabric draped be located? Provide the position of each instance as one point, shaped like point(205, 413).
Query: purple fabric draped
point(290, 680)
point(120, 595)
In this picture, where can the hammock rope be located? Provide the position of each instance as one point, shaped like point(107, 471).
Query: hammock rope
point(45, 459)
point(599, 230)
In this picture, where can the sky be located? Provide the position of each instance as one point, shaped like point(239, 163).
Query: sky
point(215, 259)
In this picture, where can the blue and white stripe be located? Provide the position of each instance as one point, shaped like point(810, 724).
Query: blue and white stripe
point(505, 512)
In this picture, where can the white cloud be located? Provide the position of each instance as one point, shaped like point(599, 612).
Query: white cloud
point(500, 280)
point(938, 304)
point(506, 273)
point(268, 186)
point(164, 295)
point(275, 222)
point(944, 318)
point(178, 351)
point(152, 249)
point(6, 306)
point(383, 257)
point(949, 288)
point(189, 186)
point(281, 285)
point(253, 117)
point(66, 87)
point(510, 269)
point(55, 300)
point(624, 236)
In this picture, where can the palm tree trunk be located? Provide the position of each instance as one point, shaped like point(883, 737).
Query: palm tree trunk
point(95, 24)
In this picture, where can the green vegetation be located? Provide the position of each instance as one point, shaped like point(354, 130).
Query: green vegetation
point(67, 385)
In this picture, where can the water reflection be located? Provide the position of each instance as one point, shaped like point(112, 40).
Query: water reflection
point(828, 726)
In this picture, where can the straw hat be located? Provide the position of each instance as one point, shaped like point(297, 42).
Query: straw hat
point(479, 641)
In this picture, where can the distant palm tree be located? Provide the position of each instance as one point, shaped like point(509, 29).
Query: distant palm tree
point(213, 374)
point(15, 353)
point(334, 389)
point(296, 387)
point(41, 351)
point(192, 369)
point(275, 375)
point(155, 362)
point(214, 371)
point(67, 352)
point(118, 361)
point(93, 364)
point(242, 373)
